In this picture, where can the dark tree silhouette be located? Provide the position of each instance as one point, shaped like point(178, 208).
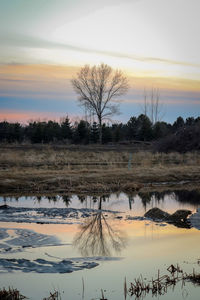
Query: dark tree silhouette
point(66, 129)
point(132, 127)
point(144, 128)
point(81, 133)
point(178, 123)
point(94, 133)
point(97, 86)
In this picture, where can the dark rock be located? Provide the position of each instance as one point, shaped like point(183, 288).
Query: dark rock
point(179, 218)
point(156, 214)
point(4, 206)
point(180, 215)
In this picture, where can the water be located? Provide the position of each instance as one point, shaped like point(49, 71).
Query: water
point(134, 247)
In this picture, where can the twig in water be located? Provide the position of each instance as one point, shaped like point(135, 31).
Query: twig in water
point(125, 289)
point(83, 290)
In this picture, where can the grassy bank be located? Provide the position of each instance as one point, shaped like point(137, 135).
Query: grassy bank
point(46, 169)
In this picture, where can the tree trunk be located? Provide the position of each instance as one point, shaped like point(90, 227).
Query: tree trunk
point(100, 130)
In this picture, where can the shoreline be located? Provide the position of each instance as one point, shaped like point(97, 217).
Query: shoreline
point(98, 182)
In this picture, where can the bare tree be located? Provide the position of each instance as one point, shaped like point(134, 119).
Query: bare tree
point(152, 107)
point(145, 104)
point(97, 87)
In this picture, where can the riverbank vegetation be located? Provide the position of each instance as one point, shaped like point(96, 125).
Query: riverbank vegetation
point(87, 169)
point(181, 136)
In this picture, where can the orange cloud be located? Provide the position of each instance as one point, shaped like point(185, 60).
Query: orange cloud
point(165, 83)
point(48, 80)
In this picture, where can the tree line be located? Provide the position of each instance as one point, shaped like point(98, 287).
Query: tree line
point(82, 132)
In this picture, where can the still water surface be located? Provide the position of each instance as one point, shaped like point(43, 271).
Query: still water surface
point(127, 247)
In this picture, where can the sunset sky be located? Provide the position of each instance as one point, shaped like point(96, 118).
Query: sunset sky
point(156, 43)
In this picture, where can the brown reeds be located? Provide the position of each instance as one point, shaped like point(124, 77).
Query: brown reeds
point(52, 170)
point(11, 294)
point(159, 286)
point(49, 157)
point(139, 288)
point(54, 296)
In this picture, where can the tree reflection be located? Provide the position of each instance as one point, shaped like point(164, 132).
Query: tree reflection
point(153, 198)
point(97, 237)
point(130, 200)
point(181, 196)
point(81, 198)
point(38, 199)
point(67, 200)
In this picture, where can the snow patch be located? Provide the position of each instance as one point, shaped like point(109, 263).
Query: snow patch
point(16, 240)
point(43, 266)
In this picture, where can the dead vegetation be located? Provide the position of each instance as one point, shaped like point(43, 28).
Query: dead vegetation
point(48, 169)
point(53, 296)
point(14, 294)
point(139, 288)
point(11, 294)
point(160, 285)
point(46, 157)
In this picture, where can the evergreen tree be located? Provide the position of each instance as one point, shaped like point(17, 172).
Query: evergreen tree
point(81, 133)
point(4, 129)
point(52, 131)
point(144, 129)
point(160, 130)
point(132, 128)
point(66, 129)
point(94, 135)
point(34, 132)
point(118, 132)
point(190, 121)
point(106, 134)
point(178, 123)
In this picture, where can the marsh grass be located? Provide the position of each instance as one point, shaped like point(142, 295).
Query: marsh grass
point(52, 170)
point(139, 287)
point(11, 294)
point(160, 285)
point(14, 294)
point(54, 296)
point(48, 157)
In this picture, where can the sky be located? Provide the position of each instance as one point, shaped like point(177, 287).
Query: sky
point(44, 43)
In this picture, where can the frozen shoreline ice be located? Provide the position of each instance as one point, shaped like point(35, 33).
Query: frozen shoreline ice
point(46, 215)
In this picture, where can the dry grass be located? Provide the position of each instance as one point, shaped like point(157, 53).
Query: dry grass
point(11, 294)
point(53, 296)
point(139, 288)
point(14, 294)
point(160, 285)
point(62, 170)
point(50, 157)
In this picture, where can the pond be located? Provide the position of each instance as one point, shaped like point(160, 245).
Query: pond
point(80, 244)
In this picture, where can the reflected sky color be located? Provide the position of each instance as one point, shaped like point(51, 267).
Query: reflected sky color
point(148, 247)
point(44, 43)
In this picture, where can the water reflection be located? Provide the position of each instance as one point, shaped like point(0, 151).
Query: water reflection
point(97, 237)
point(183, 196)
point(130, 201)
point(67, 200)
point(110, 201)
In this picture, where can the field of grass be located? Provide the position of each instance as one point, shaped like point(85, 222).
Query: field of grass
point(48, 169)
